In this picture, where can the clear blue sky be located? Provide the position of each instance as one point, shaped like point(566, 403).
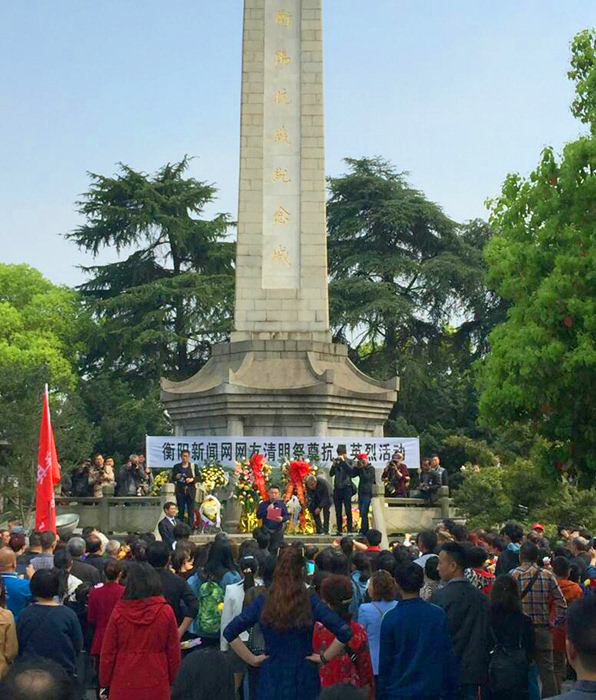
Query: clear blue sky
point(457, 93)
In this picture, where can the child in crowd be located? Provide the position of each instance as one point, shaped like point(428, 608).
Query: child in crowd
point(355, 666)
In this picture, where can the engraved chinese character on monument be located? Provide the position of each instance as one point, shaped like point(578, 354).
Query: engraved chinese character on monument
point(281, 58)
point(281, 136)
point(284, 18)
point(281, 216)
point(281, 254)
point(281, 175)
point(281, 98)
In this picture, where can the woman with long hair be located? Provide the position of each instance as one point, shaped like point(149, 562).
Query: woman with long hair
point(68, 582)
point(353, 667)
point(287, 615)
point(220, 564)
point(9, 646)
point(512, 632)
point(232, 607)
point(140, 654)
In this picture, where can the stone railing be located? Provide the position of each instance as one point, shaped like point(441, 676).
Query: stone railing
point(117, 514)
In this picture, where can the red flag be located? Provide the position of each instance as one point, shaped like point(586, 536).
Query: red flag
point(48, 472)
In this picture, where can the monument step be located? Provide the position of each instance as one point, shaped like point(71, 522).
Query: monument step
point(238, 537)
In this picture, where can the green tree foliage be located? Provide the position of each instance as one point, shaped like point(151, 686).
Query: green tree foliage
point(42, 332)
point(542, 259)
point(402, 274)
point(160, 307)
point(516, 490)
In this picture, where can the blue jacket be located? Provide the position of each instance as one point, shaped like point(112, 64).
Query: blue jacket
point(270, 524)
point(370, 616)
point(18, 593)
point(416, 657)
point(582, 690)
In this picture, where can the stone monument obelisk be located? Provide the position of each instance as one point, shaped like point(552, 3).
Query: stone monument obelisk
point(281, 374)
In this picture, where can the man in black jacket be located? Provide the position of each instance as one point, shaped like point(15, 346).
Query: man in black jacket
point(318, 498)
point(184, 477)
point(87, 573)
point(365, 472)
point(94, 549)
point(468, 615)
point(343, 488)
point(175, 589)
point(167, 524)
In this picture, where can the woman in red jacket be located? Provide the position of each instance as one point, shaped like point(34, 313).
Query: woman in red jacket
point(140, 654)
point(102, 601)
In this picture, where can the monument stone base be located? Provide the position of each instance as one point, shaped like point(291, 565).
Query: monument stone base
point(280, 387)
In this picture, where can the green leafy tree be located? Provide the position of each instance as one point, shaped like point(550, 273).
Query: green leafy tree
point(402, 272)
point(160, 307)
point(542, 257)
point(42, 338)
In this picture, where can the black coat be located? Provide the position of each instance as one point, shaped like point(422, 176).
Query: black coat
point(468, 615)
point(179, 595)
point(96, 560)
point(179, 476)
point(366, 479)
point(507, 561)
point(320, 496)
point(86, 572)
point(583, 561)
point(341, 469)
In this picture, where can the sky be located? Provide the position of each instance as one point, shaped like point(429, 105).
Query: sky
point(456, 93)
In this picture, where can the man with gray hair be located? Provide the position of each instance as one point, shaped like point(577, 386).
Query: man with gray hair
point(318, 498)
point(112, 549)
point(87, 573)
point(579, 547)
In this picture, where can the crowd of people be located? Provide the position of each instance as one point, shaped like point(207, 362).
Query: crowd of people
point(447, 615)
point(133, 478)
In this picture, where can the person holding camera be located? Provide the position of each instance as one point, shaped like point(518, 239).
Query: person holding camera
point(343, 488)
point(81, 485)
point(101, 474)
point(184, 477)
point(131, 477)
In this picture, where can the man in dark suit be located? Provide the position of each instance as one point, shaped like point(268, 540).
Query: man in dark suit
point(318, 498)
point(167, 524)
point(94, 548)
point(468, 616)
point(175, 589)
point(184, 477)
point(87, 573)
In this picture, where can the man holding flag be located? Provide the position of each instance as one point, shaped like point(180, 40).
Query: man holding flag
point(48, 472)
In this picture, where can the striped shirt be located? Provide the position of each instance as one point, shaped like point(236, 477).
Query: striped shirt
point(536, 603)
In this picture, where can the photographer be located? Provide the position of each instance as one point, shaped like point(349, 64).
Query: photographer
point(430, 482)
point(131, 477)
point(81, 485)
point(184, 477)
point(146, 477)
point(343, 488)
point(101, 474)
